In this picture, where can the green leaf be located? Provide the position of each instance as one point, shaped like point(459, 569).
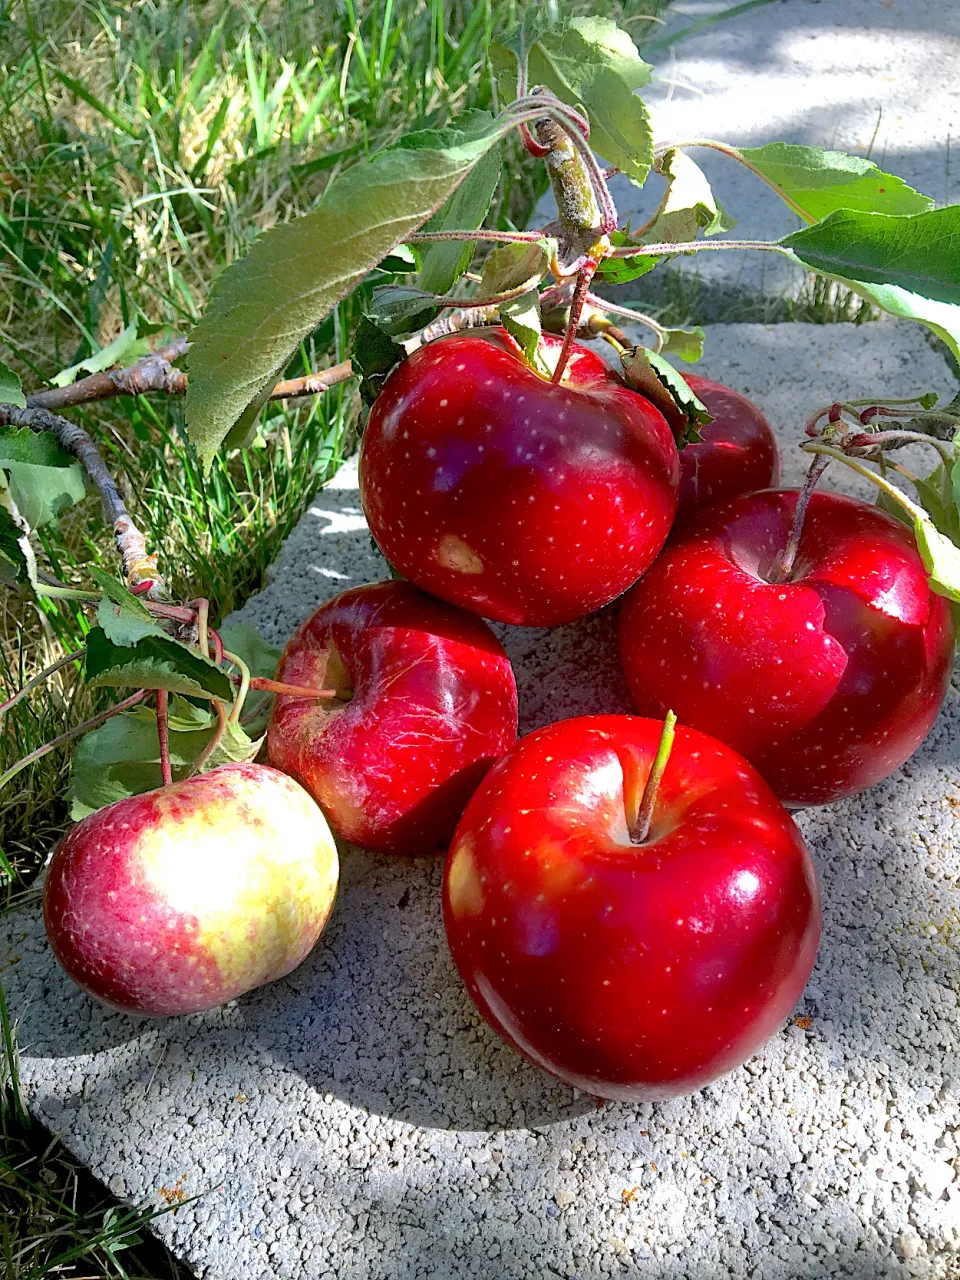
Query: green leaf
point(521, 319)
point(623, 270)
point(513, 266)
point(123, 350)
point(17, 562)
point(262, 307)
point(688, 206)
point(660, 382)
point(445, 263)
point(123, 618)
point(593, 64)
point(154, 662)
point(941, 559)
point(122, 757)
point(43, 479)
point(816, 182)
point(918, 252)
point(940, 317)
point(11, 391)
point(375, 354)
point(685, 343)
point(247, 643)
point(398, 308)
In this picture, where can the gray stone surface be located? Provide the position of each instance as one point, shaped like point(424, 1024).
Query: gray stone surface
point(870, 77)
point(356, 1119)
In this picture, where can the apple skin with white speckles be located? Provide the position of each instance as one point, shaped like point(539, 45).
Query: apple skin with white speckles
point(429, 702)
point(826, 682)
point(519, 500)
point(738, 452)
point(631, 971)
point(186, 897)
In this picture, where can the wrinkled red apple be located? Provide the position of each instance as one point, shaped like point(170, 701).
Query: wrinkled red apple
point(186, 897)
point(522, 501)
point(828, 681)
point(738, 452)
point(631, 971)
point(427, 703)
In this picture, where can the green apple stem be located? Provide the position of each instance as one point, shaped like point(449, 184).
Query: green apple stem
point(641, 828)
point(217, 737)
point(784, 566)
point(244, 682)
point(163, 734)
point(93, 723)
point(45, 674)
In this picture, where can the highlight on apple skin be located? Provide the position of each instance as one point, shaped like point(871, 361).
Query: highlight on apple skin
point(633, 971)
point(184, 898)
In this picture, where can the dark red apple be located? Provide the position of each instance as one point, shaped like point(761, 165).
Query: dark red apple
point(826, 682)
point(427, 701)
point(186, 897)
point(738, 452)
point(631, 971)
point(522, 501)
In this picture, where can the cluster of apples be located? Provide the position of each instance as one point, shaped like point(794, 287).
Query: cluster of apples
point(635, 924)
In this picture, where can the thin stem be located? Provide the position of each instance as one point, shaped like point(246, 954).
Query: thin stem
point(263, 685)
point(641, 828)
point(203, 627)
point(45, 674)
point(92, 723)
point(584, 277)
point(899, 439)
point(482, 233)
point(163, 734)
point(139, 568)
point(784, 566)
point(217, 646)
point(242, 692)
point(889, 489)
point(215, 739)
point(615, 309)
point(697, 246)
point(53, 592)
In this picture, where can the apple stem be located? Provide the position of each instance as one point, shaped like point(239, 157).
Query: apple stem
point(584, 276)
point(891, 490)
point(243, 680)
point(163, 734)
point(93, 723)
point(290, 690)
point(200, 763)
point(784, 567)
point(203, 625)
point(641, 828)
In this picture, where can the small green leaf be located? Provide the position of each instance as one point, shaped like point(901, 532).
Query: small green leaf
point(42, 493)
point(375, 354)
point(816, 182)
point(514, 266)
point(247, 643)
point(39, 448)
point(688, 206)
point(940, 317)
point(402, 261)
point(593, 64)
point(263, 306)
point(154, 662)
point(521, 319)
point(398, 308)
point(685, 343)
point(123, 618)
point(918, 252)
point(623, 270)
point(11, 391)
point(122, 757)
point(17, 562)
point(660, 382)
point(123, 350)
point(445, 263)
point(941, 559)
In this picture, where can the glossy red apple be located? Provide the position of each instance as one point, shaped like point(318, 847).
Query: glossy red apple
point(631, 971)
point(826, 682)
point(186, 897)
point(427, 703)
point(519, 500)
point(738, 452)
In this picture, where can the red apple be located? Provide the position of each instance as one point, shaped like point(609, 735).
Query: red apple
point(522, 501)
point(826, 682)
point(186, 897)
point(631, 971)
point(738, 452)
point(427, 703)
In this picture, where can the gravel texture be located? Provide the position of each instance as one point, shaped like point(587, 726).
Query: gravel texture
point(877, 78)
point(355, 1119)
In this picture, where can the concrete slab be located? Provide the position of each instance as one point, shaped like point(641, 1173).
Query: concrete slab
point(357, 1120)
point(877, 78)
